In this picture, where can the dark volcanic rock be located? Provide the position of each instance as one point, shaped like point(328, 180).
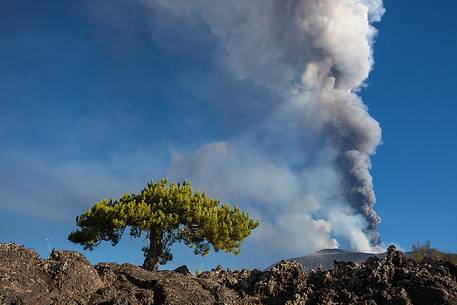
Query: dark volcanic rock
point(68, 278)
point(73, 277)
point(23, 280)
point(129, 284)
point(183, 270)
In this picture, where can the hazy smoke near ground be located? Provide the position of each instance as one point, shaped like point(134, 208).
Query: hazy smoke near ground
point(304, 169)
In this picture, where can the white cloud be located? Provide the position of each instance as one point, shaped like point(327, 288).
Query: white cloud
point(59, 189)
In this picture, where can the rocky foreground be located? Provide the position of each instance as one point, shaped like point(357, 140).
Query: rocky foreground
point(68, 278)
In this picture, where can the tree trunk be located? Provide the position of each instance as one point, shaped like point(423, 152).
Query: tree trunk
point(152, 260)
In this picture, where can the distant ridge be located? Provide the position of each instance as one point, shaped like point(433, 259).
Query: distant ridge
point(331, 251)
point(324, 258)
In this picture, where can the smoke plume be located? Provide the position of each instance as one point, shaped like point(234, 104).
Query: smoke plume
point(303, 167)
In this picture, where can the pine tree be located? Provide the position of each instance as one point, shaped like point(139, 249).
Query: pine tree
point(166, 213)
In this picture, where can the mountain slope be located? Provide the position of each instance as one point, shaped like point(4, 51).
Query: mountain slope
point(325, 258)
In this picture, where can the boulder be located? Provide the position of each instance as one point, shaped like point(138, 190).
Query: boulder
point(23, 280)
point(183, 270)
point(73, 277)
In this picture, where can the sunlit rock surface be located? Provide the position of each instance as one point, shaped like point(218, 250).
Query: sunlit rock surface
point(68, 278)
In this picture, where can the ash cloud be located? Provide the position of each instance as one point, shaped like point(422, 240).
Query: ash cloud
point(303, 167)
point(269, 191)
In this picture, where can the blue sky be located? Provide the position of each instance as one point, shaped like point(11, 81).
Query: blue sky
point(94, 98)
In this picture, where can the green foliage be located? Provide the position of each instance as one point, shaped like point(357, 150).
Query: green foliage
point(420, 251)
point(166, 213)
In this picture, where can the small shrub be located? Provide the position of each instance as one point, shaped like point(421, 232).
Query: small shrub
point(420, 251)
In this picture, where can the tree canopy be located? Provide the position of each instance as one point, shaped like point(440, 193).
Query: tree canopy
point(165, 213)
